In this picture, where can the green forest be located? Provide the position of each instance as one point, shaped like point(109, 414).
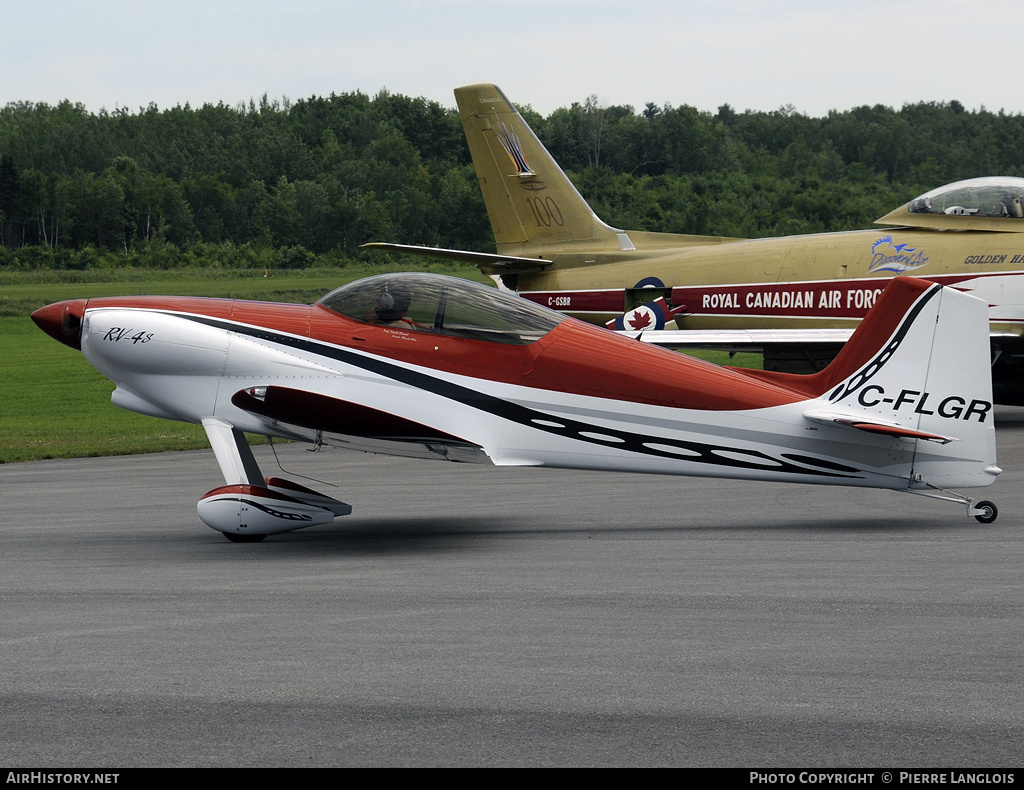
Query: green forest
point(289, 185)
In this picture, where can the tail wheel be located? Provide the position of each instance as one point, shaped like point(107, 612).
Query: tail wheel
point(989, 512)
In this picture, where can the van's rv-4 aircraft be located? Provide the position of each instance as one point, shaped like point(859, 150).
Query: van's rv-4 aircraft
point(795, 298)
point(437, 367)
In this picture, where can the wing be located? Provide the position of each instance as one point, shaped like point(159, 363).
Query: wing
point(741, 339)
point(325, 420)
point(755, 340)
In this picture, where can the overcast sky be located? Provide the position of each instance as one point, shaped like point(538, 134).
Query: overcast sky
point(815, 55)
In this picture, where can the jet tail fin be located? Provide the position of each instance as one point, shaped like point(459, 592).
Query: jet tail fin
point(540, 220)
point(530, 201)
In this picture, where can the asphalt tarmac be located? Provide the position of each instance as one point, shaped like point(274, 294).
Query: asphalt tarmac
point(473, 616)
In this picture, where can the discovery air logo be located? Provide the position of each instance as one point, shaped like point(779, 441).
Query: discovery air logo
point(887, 256)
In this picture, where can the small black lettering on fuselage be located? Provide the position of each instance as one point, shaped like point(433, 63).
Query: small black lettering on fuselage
point(117, 333)
point(952, 407)
point(978, 259)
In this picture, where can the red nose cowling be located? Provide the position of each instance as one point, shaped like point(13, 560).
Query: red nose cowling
point(63, 321)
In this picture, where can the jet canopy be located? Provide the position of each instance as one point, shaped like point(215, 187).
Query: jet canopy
point(443, 305)
point(998, 196)
point(975, 204)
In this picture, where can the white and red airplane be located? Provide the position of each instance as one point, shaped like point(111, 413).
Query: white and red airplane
point(437, 367)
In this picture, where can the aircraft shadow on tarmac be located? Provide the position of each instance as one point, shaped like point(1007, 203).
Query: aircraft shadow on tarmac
point(401, 535)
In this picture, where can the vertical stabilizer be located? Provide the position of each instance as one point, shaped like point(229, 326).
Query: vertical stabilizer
point(926, 382)
point(531, 203)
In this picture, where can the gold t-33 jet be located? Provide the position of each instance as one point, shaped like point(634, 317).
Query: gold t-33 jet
point(796, 298)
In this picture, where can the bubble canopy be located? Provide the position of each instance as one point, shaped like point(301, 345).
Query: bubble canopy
point(994, 196)
point(442, 305)
point(990, 203)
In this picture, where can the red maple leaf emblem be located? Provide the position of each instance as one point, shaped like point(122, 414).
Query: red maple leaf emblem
point(639, 320)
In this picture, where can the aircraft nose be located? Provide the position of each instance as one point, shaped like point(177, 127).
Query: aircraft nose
point(63, 321)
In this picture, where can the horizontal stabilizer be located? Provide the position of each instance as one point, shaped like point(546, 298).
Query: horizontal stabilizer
point(487, 262)
point(875, 426)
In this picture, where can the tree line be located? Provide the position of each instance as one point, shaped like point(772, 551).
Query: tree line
point(289, 184)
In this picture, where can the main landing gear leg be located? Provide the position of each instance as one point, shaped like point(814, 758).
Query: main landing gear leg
point(250, 506)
